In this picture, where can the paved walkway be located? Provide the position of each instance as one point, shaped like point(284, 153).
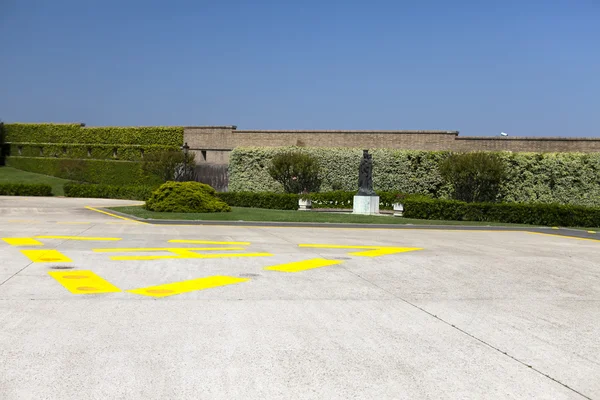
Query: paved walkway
point(97, 307)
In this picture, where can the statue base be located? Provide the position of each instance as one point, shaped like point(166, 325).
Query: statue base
point(366, 205)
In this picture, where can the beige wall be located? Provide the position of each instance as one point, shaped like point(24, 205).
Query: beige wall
point(218, 141)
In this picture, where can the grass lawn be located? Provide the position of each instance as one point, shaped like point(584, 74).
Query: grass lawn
point(12, 175)
point(259, 214)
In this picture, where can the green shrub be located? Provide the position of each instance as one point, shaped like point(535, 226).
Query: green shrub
point(185, 197)
point(100, 191)
point(77, 134)
point(88, 151)
point(515, 213)
point(276, 201)
point(296, 172)
point(25, 189)
point(170, 166)
point(474, 177)
point(94, 171)
point(3, 147)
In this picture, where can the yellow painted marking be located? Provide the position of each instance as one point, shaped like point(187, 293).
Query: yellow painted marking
point(555, 227)
point(45, 256)
point(83, 282)
point(303, 265)
point(114, 215)
point(208, 242)
point(171, 249)
point(183, 254)
point(78, 238)
point(22, 242)
point(591, 231)
point(563, 236)
point(174, 288)
point(372, 251)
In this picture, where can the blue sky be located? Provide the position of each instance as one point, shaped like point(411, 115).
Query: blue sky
point(524, 67)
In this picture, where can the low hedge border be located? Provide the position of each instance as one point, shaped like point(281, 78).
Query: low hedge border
point(99, 191)
point(85, 151)
point(25, 189)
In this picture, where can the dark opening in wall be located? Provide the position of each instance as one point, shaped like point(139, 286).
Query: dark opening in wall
point(203, 155)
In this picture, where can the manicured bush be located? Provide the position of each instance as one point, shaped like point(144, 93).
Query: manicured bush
point(296, 172)
point(88, 151)
point(186, 197)
point(474, 177)
point(564, 178)
point(276, 201)
point(516, 213)
point(100, 191)
point(94, 171)
point(77, 134)
point(25, 189)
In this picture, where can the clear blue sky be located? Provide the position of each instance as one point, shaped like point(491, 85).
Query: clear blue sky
point(529, 67)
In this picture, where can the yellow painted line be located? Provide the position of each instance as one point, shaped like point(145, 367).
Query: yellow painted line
point(83, 282)
point(45, 256)
point(23, 242)
point(172, 249)
point(181, 255)
point(303, 265)
point(114, 215)
point(174, 288)
point(555, 227)
point(591, 231)
point(78, 238)
point(373, 251)
point(563, 236)
point(208, 242)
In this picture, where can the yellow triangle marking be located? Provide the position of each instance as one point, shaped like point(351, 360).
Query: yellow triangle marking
point(372, 251)
point(174, 288)
point(299, 266)
point(83, 282)
point(45, 256)
point(23, 242)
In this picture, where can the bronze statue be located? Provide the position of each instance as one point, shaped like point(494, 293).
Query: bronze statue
point(365, 175)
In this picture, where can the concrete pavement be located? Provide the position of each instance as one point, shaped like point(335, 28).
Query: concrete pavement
point(93, 306)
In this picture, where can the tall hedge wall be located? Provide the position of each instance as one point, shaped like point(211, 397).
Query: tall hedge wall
point(566, 178)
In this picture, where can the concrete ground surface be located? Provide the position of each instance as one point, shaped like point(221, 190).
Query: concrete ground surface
point(420, 314)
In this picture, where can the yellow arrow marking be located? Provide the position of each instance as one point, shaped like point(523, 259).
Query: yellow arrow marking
point(83, 282)
point(77, 238)
point(303, 265)
point(207, 242)
point(373, 251)
point(23, 242)
point(45, 256)
point(174, 288)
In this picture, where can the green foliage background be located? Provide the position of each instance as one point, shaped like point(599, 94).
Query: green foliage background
point(565, 178)
point(102, 152)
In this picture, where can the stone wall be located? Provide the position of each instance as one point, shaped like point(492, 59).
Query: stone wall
point(212, 144)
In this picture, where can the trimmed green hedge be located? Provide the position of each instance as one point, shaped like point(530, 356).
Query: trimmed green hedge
point(77, 134)
point(276, 201)
point(515, 213)
point(25, 189)
point(92, 171)
point(186, 197)
point(100, 191)
point(565, 178)
point(87, 151)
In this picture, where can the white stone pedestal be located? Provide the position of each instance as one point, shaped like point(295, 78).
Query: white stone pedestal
point(366, 205)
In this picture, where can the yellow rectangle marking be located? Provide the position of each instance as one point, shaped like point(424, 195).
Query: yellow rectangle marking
point(303, 265)
point(174, 288)
point(182, 255)
point(23, 242)
point(78, 238)
point(375, 251)
point(83, 282)
point(144, 249)
point(208, 242)
point(45, 256)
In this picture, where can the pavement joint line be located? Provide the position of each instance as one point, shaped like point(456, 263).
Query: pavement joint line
point(453, 326)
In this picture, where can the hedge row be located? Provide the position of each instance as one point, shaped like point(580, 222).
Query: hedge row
point(277, 201)
point(91, 151)
point(100, 191)
point(92, 171)
point(565, 178)
point(25, 189)
point(77, 134)
point(514, 213)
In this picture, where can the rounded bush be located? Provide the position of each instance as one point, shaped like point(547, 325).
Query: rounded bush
point(185, 197)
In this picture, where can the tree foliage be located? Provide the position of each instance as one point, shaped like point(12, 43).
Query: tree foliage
point(296, 172)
